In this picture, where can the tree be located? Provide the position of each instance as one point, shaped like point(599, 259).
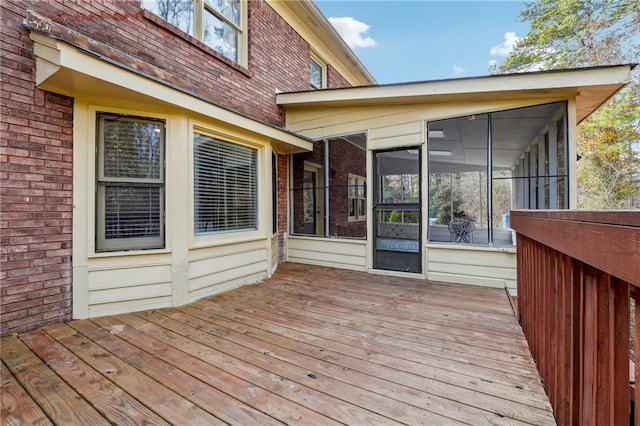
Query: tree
point(579, 33)
point(610, 145)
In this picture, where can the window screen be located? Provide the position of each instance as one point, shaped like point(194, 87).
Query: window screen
point(130, 183)
point(225, 186)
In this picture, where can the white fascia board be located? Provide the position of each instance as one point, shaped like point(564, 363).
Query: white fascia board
point(416, 92)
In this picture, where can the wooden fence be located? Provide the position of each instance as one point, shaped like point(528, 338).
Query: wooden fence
point(577, 276)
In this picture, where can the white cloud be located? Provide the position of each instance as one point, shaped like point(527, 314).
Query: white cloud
point(505, 48)
point(353, 32)
point(457, 69)
point(493, 63)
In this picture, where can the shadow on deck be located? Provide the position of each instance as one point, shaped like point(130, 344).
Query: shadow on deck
point(309, 346)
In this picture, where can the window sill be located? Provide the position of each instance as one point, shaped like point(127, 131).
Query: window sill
point(224, 240)
point(123, 253)
point(193, 41)
point(470, 247)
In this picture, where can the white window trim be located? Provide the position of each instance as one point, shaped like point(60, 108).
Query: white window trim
point(228, 237)
point(323, 65)
point(199, 8)
point(137, 244)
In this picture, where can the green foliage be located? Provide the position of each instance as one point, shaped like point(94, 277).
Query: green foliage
point(576, 33)
point(609, 171)
point(579, 33)
point(400, 216)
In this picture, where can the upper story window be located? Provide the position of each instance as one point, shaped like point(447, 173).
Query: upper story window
point(318, 73)
point(219, 24)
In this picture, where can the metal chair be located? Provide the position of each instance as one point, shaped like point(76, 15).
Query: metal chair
point(461, 231)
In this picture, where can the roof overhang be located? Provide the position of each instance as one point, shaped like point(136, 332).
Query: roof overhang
point(76, 71)
point(590, 87)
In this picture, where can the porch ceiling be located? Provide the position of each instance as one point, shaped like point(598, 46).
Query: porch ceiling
point(591, 87)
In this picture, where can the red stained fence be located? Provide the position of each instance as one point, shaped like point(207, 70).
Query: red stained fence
point(577, 275)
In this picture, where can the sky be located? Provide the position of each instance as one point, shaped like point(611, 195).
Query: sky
point(401, 41)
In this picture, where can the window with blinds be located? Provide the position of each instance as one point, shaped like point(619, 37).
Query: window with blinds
point(225, 186)
point(130, 183)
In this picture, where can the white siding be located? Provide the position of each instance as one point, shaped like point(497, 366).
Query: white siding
point(126, 283)
point(485, 266)
point(274, 253)
point(335, 253)
point(215, 270)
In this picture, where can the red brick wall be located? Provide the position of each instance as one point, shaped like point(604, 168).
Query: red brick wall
point(344, 159)
point(335, 79)
point(36, 130)
point(283, 210)
point(35, 169)
point(278, 56)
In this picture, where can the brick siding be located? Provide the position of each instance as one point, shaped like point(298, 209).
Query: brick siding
point(344, 159)
point(37, 130)
point(283, 207)
point(35, 169)
point(335, 79)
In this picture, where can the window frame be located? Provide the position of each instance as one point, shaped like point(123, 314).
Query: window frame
point(314, 58)
point(102, 244)
point(257, 152)
point(358, 215)
point(200, 9)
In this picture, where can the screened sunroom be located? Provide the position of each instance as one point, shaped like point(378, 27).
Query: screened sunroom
point(483, 165)
point(420, 178)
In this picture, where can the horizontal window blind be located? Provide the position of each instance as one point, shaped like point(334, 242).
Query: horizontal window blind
point(132, 212)
point(225, 186)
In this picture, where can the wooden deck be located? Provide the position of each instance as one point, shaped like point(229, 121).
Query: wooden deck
point(311, 346)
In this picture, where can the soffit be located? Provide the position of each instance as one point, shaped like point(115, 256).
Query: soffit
point(590, 87)
point(67, 69)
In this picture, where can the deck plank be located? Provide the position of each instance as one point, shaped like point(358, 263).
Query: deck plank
point(444, 400)
point(331, 395)
point(461, 361)
point(412, 328)
point(17, 407)
point(115, 404)
point(165, 402)
point(200, 382)
point(311, 345)
point(444, 383)
point(383, 328)
point(61, 403)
